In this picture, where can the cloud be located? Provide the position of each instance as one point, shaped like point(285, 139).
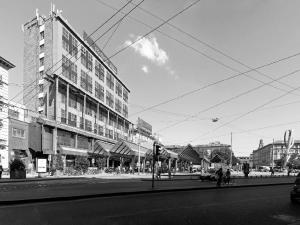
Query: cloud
point(172, 73)
point(145, 69)
point(148, 47)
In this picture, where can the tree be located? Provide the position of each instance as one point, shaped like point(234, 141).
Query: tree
point(81, 164)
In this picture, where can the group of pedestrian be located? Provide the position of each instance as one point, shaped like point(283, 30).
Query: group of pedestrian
point(221, 177)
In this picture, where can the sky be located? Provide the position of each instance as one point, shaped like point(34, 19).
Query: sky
point(171, 62)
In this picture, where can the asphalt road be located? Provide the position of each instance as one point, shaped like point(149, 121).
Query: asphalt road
point(255, 205)
point(78, 187)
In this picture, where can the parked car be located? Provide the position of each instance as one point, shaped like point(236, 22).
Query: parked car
point(295, 193)
point(264, 169)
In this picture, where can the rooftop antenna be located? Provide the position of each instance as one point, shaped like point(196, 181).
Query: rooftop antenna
point(37, 13)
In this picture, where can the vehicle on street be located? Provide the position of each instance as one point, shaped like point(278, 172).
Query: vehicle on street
point(295, 193)
point(264, 169)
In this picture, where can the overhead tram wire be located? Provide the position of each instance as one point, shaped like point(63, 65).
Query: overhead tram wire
point(249, 112)
point(199, 52)
point(226, 101)
point(110, 37)
point(209, 85)
point(213, 48)
point(154, 29)
point(106, 21)
point(94, 42)
point(214, 83)
point(122, 49)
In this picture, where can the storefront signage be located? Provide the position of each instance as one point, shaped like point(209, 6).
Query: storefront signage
point(41, 165)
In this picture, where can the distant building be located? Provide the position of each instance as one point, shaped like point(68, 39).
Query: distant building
point(4, 67)
point(242, 160)
point(268, 154)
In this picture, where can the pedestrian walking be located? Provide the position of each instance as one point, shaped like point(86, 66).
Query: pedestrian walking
point(220, 177)
point(227, 176)
point(272, 171)
point(1, 169)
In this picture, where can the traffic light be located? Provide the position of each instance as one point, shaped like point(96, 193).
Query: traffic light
point(157, 150)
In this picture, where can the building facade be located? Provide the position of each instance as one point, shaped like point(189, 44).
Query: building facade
point(4, 153)
point(77, 96)
point(18, 133)
point(266, 155)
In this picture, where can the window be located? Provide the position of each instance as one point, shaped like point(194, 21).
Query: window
point(88, 109)
point(125, 95)
point(63, 116)
point(100, 130)
point(99, 70)
point(13, 113)
point(99, 91)
point(72, 118)
point(42, 48)
point(19, 133)
point(110, 134)
point(109, 99)
point(106, 132)
point(118, 106)
point(125, 110)
point(63, 99)
point(81, 123)
point(88, 125)
point(86, 58)
point(41, 61)
point(118, 89)
point(70, 43)
point(65, 34)
point(42, 35)
point(69, 69)
point(86, 82)
point(72, 101)
point(110, 80)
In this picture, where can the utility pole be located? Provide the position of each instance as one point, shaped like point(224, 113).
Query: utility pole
point(231, 150)
point(272, 162)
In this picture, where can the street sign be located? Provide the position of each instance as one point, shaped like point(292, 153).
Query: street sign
point(41, 165)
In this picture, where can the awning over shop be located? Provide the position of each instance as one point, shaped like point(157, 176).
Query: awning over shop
point(173, 155)
point(188, 154)
point(72, 151)
point(128, 149)
point(102, 148)
point(163, 153)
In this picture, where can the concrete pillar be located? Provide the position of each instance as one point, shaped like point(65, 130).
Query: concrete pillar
point(97, 116)
point(55, 140)
point(76, 140)
point(169, 163)
point(113, 163)
point(176, 160)
point(56, 100)
point(107, 162)
point(144, 164)
point(93, 144)
point(67, 103)
point(84, 108)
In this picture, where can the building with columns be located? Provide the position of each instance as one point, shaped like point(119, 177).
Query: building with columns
point(5, 66)
point(72, 90)
point(266, 155)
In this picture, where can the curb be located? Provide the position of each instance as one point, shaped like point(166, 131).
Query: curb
point(7, 181)
point(127, 193)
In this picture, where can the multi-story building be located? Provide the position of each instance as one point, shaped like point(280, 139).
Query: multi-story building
point(18, 132)
point(72, 87)
point(4, 67)
point(267, 154)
